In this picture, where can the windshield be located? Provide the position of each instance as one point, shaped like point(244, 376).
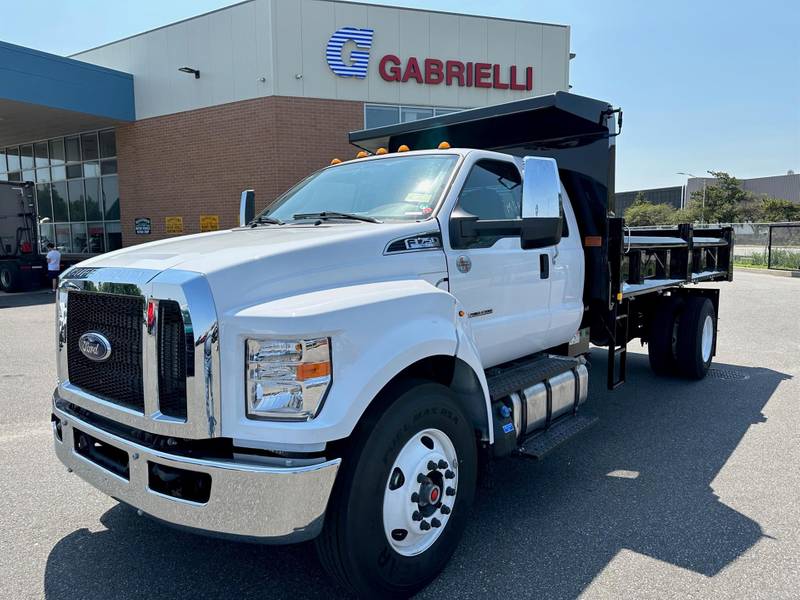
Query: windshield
point(400, 188)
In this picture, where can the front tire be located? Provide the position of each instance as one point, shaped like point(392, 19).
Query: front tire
point(403, 493)
point(9, 279)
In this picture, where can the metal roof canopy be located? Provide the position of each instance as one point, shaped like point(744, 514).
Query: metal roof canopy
point(43, 95)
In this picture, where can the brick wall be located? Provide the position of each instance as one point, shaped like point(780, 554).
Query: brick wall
point(198, 162)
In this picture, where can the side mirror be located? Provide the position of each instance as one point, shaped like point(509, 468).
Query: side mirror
point(541, 203)
point(247, 207)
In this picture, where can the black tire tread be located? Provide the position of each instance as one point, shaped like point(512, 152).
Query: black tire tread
point(689, 363)
point(659, 342)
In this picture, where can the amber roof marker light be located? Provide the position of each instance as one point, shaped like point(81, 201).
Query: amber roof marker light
point(403, 148)
point(444, 145)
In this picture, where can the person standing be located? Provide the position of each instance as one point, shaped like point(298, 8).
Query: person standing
point(53, 265)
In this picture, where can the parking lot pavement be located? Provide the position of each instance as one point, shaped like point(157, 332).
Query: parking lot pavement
point(682, 490)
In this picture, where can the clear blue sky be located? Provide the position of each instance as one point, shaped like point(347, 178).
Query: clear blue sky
point(705, 85)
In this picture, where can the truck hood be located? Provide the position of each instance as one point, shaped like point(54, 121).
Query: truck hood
point(249, 265)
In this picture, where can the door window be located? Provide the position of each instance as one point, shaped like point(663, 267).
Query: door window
point(492, 191)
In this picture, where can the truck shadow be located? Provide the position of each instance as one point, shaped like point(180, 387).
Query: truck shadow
point(641, 479)
point(32, 298)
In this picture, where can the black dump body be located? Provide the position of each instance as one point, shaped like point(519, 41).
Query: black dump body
point(579, 133)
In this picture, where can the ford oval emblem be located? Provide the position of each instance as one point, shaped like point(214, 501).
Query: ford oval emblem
point(94, 346)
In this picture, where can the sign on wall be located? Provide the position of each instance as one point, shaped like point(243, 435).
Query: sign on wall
point(427, 71)
point(174, 224)
point(142, 226)
point(209, 222)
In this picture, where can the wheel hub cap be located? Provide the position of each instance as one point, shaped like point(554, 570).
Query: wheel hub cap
point(420, 492)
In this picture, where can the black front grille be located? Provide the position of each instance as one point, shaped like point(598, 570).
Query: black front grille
point(172, 359)
point(119, 318)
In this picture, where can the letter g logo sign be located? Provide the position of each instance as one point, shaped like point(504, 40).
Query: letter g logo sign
point(359, 58)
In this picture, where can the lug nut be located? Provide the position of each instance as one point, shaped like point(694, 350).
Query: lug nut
point(416, 516)
point(436, 522)
point(421, 478)
point(415, 497)
point(450, 491)
point(449, 474)
point(431, 465)
point(442, 464)
point(424, 526)
point(445, 509)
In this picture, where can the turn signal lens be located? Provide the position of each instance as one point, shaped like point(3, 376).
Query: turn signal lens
point(381, 151)
point(335, 161)
point(403, 148)
point(362, 154)
point(444, 145)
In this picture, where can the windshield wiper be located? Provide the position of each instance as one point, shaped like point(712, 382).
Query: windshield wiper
point(261, 219)
point(332, 214)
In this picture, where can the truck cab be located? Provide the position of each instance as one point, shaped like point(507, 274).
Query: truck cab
point(336, 367)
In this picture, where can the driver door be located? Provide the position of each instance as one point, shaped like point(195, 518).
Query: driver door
point(504, 289)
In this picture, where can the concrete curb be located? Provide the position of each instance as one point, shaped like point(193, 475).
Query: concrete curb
point(777, 272)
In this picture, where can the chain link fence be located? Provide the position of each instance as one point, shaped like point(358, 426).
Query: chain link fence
point(767, 245)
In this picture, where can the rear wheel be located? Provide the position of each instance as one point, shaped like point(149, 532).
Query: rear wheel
point(9, 278)
point(403, 494)
point(696, 337)
point(663, 336)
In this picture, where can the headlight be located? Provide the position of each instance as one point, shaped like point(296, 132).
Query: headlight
point(287, 379)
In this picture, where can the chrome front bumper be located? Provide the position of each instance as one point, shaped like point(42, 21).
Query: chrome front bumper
point(265, 503)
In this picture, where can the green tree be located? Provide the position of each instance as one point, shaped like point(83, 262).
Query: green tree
point(774, 210)
point(722, 200)
point(642, 212)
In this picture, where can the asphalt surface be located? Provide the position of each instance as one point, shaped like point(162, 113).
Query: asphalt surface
point(682, 490)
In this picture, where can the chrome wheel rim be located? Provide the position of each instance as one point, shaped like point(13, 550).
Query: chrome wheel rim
point(420, 492)
point(708, 338)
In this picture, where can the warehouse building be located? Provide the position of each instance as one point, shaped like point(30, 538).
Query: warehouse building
point(157, 134)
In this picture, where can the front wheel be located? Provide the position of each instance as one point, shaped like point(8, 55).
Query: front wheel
point(403, 494)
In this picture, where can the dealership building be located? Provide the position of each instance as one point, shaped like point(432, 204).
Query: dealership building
point(157, 134)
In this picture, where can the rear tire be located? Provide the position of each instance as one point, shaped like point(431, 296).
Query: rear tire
point(662, 338)
point(697, 335)
point(9, 278)
point(378, 490)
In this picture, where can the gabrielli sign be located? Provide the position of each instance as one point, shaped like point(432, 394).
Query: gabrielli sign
point(427, 71)
point(433, 71)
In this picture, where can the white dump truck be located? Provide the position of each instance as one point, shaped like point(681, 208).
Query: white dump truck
point(337, 367)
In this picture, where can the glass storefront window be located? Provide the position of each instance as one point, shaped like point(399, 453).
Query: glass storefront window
point(414, 113)
point(44, 206)
point(13, 159)
point(40, 155)
point(108, 167)
point(91, 151)
point(111, 198)
point(91, 169)
point(58, 173)
point(114, 236)
point(57, 152)
point(73, 149)
point(376, 115)
point(26, 157)
point(63, 238)
point(77, 210)
point(80, 243)
point(108, 143)
point(93, 210)
point(97, 241)
point(60, 211)
point(3, 166)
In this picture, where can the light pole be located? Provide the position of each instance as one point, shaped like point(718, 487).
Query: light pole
point(703, 214)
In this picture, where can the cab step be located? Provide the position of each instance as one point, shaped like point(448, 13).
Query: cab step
point(539, 444)
point(503, 381)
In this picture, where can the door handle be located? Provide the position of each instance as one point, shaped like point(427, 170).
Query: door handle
point(544, 266)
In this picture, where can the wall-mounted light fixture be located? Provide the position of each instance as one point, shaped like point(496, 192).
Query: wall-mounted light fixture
point(190, 70)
